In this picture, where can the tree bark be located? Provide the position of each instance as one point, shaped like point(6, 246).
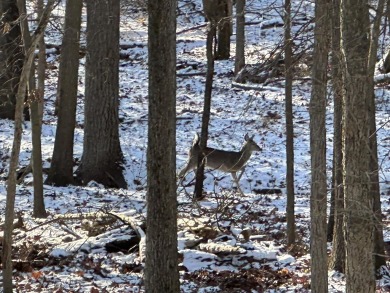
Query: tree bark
point(219, 13)
point(11, 57)
point(61, 168)
point(198, 192)
point(224, 31)
point(102, 155)
point(239, 62)
point(14, 160)
point(318, 199)
point(161, 266)
point(290, 207)
point(358, 219)
point(335, 231)
point(379, 250)
point(36, 98)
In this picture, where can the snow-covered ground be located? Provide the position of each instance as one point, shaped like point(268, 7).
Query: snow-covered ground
point(227, 242)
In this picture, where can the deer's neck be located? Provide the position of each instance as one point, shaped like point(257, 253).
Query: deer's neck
point(245, 155)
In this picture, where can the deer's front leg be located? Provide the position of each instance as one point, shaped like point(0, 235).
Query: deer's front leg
point(235, 179)
point(242, 172)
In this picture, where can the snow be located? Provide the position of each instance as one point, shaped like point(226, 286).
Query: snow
point(75, 259)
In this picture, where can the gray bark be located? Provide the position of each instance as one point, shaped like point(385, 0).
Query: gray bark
point(102, 155)
point(290, 207)
point(61, 168)
point(318, 199)
point(358, 219)
point(11, 184)
point(337, 257)
point(239, 62)
point(11, 57)
point(161, 265)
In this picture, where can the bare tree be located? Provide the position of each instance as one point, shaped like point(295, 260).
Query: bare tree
point(35, 103)
point(220, 12)
point(336, 217)
point(102, 155)
point(318, 200)
point(11, 184)
point(61, 168)
point(290, 214)
point(161, 265)
point(239, 62)
point(379, 250)
point(11, 57)
point(358, 218)
point(198, 192)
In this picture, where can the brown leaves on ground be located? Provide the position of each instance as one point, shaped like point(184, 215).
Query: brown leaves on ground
point(259, 280)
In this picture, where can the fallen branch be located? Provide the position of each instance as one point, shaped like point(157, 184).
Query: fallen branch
point(254, 87)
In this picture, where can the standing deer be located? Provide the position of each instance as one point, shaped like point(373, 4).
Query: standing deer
point(225, 161)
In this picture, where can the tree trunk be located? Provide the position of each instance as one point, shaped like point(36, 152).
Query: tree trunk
point(290, 213)
point(219, 13)
point(318, 199)
point(11, 57)
point(161, 266)
point(224, 31)
point(359, 224)
point(198, 192)
point(61, 169)
point(379, 250)
point(337, 257)
point(36, 99)
point(102, 155)
point(239, 62)
point(14, 160)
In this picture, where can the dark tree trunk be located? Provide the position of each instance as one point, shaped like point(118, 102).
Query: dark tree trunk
point(198, 192)
point(358, 219)
point(318, 198)
point(61, 169)
point(161, 265)
point(102, 155)
point(224, 31)
point(11, 57)
point(336, 217)
point(14, 160)
point(239, 62)
point(379, 250)
point(290, 207)
point(219, 13)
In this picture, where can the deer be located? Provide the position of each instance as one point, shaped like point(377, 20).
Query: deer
point(225, 161)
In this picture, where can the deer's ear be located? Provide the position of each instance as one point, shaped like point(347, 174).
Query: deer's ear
point(246, 137)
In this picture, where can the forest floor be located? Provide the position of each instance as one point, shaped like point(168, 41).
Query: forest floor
point(227, 242)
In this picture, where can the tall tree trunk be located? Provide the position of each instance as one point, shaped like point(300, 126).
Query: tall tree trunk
point(35, 102)
point(318, 199)
point(224, 30)
point(206, 110)
point(239, 61)
point(102, 155)
point(11, 57)
point(337, 257)
point(161, 266)
point(14, 160)
point(36, 98)
point(290, 207)
point(359, 224)
point(61, 168)
point(219, 14)
point(379, 250)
